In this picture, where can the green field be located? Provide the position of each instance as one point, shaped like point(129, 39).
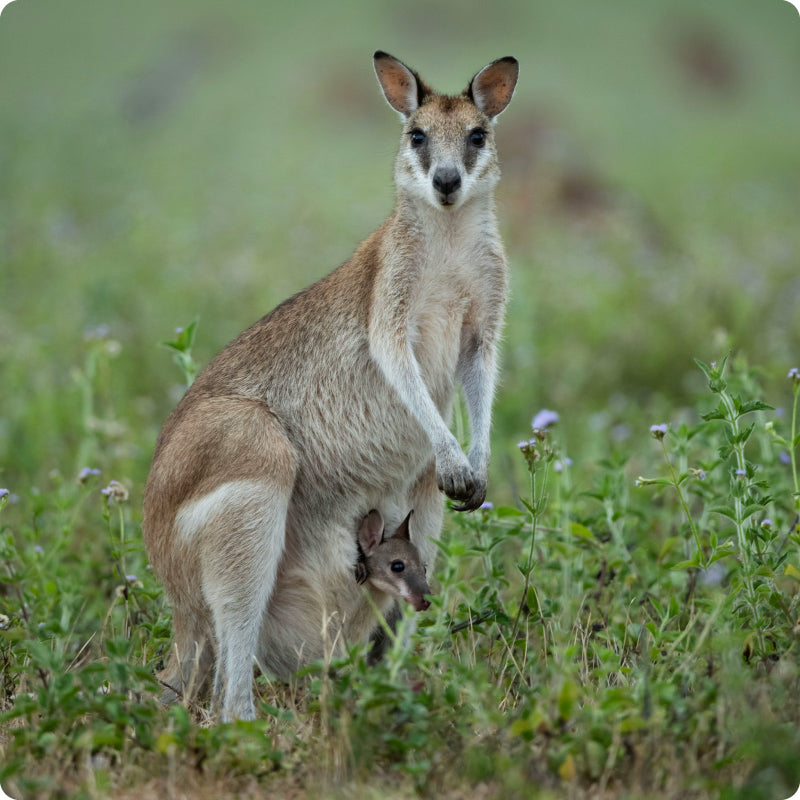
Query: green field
point(625, 622)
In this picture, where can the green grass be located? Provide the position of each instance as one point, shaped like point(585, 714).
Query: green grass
point(166, 163)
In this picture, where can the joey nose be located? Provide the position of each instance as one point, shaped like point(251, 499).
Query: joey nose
point(446, 182)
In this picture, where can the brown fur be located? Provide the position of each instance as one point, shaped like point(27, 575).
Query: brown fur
point(336, 401)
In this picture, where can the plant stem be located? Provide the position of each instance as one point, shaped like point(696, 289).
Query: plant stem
point(684, 505)
point(534, 512)
point(792, 449)
point(732, 418)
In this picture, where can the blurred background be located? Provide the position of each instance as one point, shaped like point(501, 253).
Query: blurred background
point(161, 162)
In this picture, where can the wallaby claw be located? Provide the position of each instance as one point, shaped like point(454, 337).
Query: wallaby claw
point(474, 501)
point(458, 486)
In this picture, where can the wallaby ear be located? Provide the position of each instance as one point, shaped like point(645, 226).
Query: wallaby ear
point(370, 532)
point(491, 89)
point(402, 87)
point(403, 532)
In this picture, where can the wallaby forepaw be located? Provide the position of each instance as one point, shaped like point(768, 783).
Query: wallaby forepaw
point(460, 482)
point(474, 501)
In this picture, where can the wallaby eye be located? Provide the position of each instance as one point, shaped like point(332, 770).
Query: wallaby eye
point(418, 138)
point(397, 566)
point(477, 138)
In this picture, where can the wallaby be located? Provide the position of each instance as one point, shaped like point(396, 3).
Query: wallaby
point(336, 401)
point(391, 565)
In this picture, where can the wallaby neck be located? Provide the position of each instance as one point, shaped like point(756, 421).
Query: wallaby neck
point(468, 224)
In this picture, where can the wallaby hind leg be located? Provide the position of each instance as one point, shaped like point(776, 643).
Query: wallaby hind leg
point(239, 528)
point(238, 577)
point(191, 659)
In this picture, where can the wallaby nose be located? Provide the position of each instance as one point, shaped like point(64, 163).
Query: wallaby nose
point(446, 181)
point(420, 603)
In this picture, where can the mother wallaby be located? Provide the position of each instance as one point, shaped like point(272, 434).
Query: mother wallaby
point(336, 402)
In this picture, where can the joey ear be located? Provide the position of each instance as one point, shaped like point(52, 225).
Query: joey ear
point(402, 87)
point(370, 532)
point(403, 532)
point(491, 89)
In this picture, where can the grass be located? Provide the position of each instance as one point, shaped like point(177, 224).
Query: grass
point(624, 621)
point(635, 639)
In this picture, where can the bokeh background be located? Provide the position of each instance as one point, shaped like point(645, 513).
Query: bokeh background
point(166, 161)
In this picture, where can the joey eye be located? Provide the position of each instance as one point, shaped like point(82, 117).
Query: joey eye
point(418, 138)
point(477, 138)
point(397, 566)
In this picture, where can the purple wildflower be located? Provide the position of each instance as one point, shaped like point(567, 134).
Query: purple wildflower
point(766, 522)
point(559, 465)
point(714, 575)
point(486, 505)
point(115, 492)
point(794, 374)
point(86, 473)
point(784, 458)
point(659, 431)
point(740, 472)
point(131, 578)
point(544, 419)
point(529, 450)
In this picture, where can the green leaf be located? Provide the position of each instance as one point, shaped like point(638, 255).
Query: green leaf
point(754, 405)
point(674, 608)
point(706, 369)
point(668, 545)
point(582, 532)
point(739, 438)
point(656, 482)
point(508, 511)
point(753, 508)
point(691, 564)
point(522, 727)
point(184, 338)
point(792, 572)
point(528, 506)
point(566, 699)
point(720, 413)
point(532, 601)
point(658, 607)
point(726, 511)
